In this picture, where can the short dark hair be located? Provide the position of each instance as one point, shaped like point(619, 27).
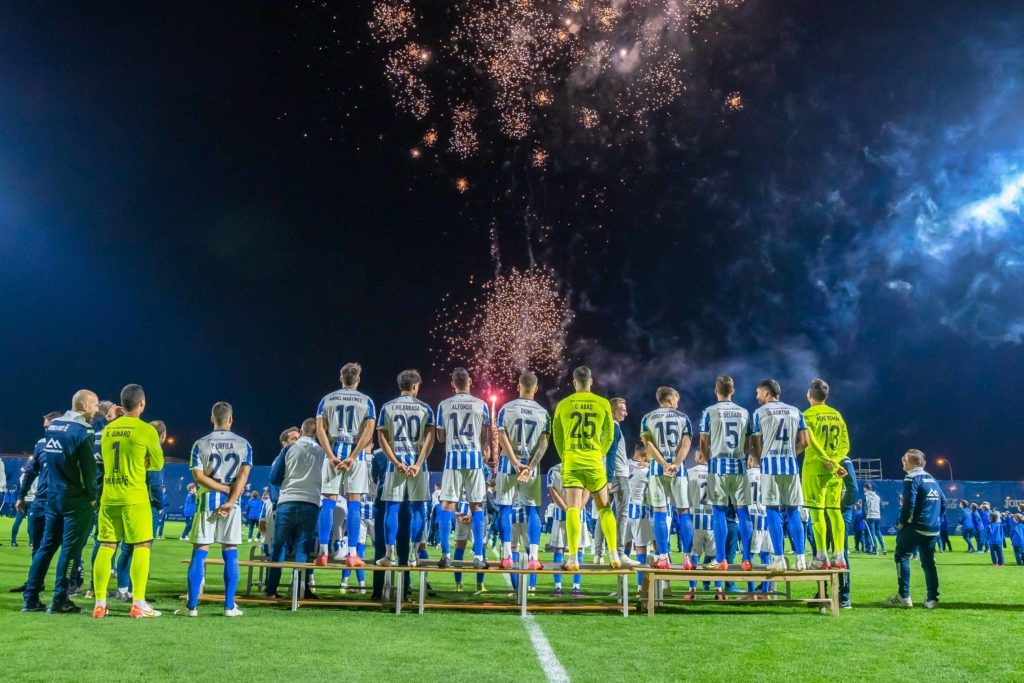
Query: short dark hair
point(350, 373)
point(160, 426)
point(308, 427)
point(582, 375)
point(771, 386)
point(528, 379)
point(221, 411)
point(132, 396)
point(285, 433)
point(867, 486)
point(408, 378)
point(52, 416)
point(640, 446)
point(818, 389)
point(460, 378)
point(724, 385)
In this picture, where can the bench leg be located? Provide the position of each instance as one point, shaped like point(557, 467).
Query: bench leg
point(835, 596)
point(625, 593)
point(295, 590)
point(649, 583)
point(523, 579)
point(387, 585)
point(399, 586)
point(423, 589)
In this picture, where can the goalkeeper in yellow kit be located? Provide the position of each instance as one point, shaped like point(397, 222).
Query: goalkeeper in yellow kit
point(582, 430)
point(129, 447)
point(822, 475)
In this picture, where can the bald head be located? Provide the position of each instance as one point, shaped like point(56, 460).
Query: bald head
point(85, 402)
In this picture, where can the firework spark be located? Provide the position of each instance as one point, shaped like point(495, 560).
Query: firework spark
point(430, 138)
point(539, 159)
point(461, 184)
point(734, 101)
point(464, 139)
point(402, 70)
point(517, 322)
point(392, 20)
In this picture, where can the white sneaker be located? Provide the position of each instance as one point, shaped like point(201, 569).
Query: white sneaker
point(778, 564)
point(895, 600)
point(931, 604)
point(143, 611)
point(839, 561)
point(598, 559)
point(186, 612)
point(628, 561)
point(800, 564)
point(820, 562)
point(233, 612)
point(344, 585)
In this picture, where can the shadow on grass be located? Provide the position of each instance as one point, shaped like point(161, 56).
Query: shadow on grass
point(949, 606)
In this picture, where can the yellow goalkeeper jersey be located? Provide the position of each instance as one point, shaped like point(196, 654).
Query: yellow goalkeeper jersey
point(129, 446)
point(829, 439)
point(583, 426)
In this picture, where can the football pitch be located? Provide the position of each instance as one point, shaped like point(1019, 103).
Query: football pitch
point(980, 605)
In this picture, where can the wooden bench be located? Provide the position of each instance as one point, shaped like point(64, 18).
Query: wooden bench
point(392, 575)
point(651, 577)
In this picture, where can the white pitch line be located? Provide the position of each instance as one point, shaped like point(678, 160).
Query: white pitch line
point(553, 669)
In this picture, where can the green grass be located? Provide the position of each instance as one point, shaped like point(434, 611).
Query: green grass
point(702, 640)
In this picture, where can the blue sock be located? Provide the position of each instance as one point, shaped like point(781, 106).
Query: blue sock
point(391, 522)
point(557, 559)
point(345, 573)
point(325, 520)
point(196, 570)
point(533, 524)
point(642, 559)
point(353, 520)
point(661, 532)
point(422, 554)
point(360, 574)
point(515, 558)
point(696, 562)
point(533, 580)
point(576, 578)
point(460, 553)
point(230, 556)
point(478, 533)
point(505, 523)
point(417, 518)
point(746, 531)
point(720, 528)
point(684, 520)
point(796, 531)
point(773, 517)
point(124, 566)
point(444, 530)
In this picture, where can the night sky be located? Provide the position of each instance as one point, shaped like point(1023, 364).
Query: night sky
point(220, 204)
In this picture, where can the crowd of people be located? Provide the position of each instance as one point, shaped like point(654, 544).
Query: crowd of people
point(333, 491)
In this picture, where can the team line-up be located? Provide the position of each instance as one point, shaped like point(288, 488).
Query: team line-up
point(747, 463)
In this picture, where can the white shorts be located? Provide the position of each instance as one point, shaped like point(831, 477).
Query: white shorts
point(425, 532)
point(454, 481)
point(723, 488)
point(781, 490)
point(639, 532)
point(357, 478)
point(760, 542)
point(330, 479)
point(703, 543)
point(209, 527)
point(508, 490)
point(519, 537)
point(559, 538)
point(463, 532)
point(398, 487)
point(665, 491)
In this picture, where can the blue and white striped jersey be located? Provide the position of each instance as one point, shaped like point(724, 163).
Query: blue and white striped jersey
point(366, 509)
point(638, 475)
point(664, 428)
point(462, 417)
point(518, 513)
point(698, 490)
point(405, 420)
point(555, 482)
point(462, 508)
point(727, 426)
point(524, 421)
point(778, 424)
point(345, 411)
point(221, 455)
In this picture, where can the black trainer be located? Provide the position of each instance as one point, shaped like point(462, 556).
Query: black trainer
point(430, 590)
point(444, 563)
point(17, 589)
point(481, 563)
point(33, 606)
point(64, 607)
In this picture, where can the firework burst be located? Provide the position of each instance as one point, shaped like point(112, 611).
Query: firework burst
point(517, 322)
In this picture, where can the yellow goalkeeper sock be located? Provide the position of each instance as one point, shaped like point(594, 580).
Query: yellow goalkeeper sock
point(835, 518)
point(101, 573)
point(818, 524)
point(140, 572)
point(608, 527)
point(572, 530)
